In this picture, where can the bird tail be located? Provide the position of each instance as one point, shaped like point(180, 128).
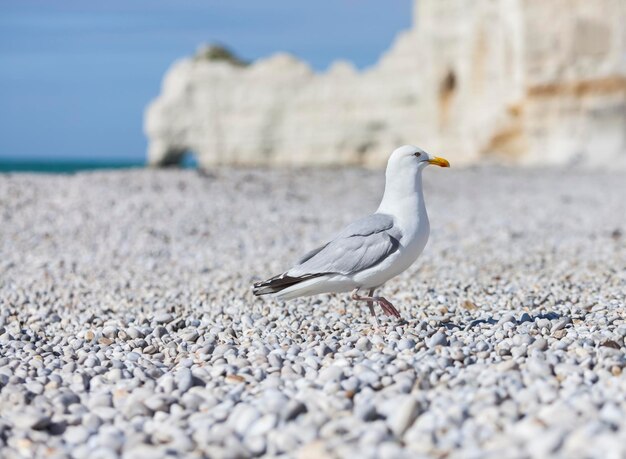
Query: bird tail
point(278, 283)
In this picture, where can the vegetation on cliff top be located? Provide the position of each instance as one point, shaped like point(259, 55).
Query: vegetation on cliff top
point(217, 52)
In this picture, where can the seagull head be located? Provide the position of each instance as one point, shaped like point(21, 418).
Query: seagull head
point(403, 177)
point(410, 156)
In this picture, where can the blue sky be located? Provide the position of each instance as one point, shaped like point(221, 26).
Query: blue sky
point(75, 75)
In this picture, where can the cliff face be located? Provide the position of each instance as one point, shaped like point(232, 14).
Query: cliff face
point(278, 111)
point(526, 81)
point(534, 80)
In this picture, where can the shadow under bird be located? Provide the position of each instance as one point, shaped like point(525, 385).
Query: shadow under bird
point(371, 250)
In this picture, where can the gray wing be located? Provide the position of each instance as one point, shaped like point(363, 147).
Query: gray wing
point(361, 245)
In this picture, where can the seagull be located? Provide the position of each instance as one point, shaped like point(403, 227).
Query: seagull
point(371, 250)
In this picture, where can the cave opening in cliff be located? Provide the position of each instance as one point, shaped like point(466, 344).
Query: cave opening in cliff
point(181, 157)
point(189, 160)
point(447, 89)
point(448, 84)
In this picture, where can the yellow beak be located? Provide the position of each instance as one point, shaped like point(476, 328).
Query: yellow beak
point(439, 161)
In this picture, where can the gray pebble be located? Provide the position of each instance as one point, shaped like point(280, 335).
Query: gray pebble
point(405, 411)
point(163, 318)
point(293, 409)
point(405, 344)
point(438, 339)
point(184, 380)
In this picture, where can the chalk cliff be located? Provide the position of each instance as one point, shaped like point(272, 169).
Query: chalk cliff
point(523, 81)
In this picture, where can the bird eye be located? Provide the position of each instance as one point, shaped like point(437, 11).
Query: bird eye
point(418, 154)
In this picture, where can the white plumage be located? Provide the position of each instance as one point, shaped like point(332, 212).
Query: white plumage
point(372, 250)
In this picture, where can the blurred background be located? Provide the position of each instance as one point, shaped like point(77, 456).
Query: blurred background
point(75, 76)
point(116, 84)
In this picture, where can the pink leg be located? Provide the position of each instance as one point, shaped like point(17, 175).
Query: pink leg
point(370, 304)
point(387, 307)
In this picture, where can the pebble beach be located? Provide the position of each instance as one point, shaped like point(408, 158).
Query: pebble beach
point(128, 327)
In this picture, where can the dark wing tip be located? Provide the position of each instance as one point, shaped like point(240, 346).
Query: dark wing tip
point(268, 286)
point(278, 283)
